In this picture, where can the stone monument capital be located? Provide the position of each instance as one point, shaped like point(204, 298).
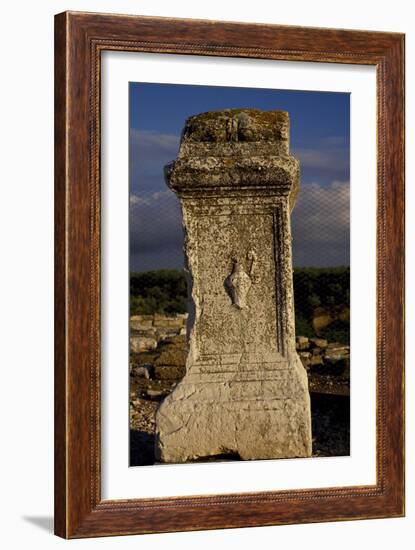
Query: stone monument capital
point(235, 150)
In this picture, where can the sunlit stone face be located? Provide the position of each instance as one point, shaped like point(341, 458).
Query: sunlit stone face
point(245, 391)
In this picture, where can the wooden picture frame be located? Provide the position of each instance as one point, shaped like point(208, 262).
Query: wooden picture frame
point(79, 40)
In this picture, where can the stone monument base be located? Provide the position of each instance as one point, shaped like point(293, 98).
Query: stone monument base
point(254, 411)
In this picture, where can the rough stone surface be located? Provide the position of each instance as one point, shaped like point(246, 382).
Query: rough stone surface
point(139, 343)
point(141, 371)
point(303, 343)
point(322, 318)
point(319, 343)
point(169, 372)
point(245, 391)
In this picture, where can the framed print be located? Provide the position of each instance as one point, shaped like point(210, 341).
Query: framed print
point(229, 275)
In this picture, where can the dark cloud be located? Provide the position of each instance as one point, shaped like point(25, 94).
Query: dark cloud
point(321, 225)
point(149, 152)
point(320, 220)
point(157, 259)
point(153, 141)
point(328, 161)
point(156, 233)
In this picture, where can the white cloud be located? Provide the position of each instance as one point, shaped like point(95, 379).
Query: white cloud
point(327, 159)
point(148, 198)
point(153, 139)
point(155, 221)
point(136, 199)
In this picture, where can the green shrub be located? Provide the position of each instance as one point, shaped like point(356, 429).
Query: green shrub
point(325, 287)
point(164, 291)
point(303, 327)
point(338, 331)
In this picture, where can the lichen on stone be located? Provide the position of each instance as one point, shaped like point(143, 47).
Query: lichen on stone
point(238, 125)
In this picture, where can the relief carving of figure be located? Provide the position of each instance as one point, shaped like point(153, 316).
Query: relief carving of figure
point(238, 284)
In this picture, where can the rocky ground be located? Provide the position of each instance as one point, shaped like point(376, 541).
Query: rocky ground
point(157, 364)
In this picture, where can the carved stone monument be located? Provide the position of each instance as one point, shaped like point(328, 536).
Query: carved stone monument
point(245, 391)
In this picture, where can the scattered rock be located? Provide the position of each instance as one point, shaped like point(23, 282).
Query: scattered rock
point(140, 343)
point(177, 322)
point(316, 360)
point(302, 343)
point(143, 358)
point(319, 343)
point(142, 317)
point(172, 357)
point(142, 371)
point(305, 358)
point(323, 317)
point(162, 335)
point(336, 352)
point(141, 322)
point(175, 341)
point(169, 372)
point(147, 331)
point(152, 393)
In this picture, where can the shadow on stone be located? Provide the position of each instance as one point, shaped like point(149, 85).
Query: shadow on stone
point(226, 456)
point(331, 424)
point(141, 448)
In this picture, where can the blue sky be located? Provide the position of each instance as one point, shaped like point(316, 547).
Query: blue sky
point(320, 139)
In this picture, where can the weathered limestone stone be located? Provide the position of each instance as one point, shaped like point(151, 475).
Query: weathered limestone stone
point(245, 391)
point(140, 343)
point(319, 343)
point(141, 322)
point(303, 343)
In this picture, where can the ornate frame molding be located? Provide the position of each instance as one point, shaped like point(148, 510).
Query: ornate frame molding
point(79, 40)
